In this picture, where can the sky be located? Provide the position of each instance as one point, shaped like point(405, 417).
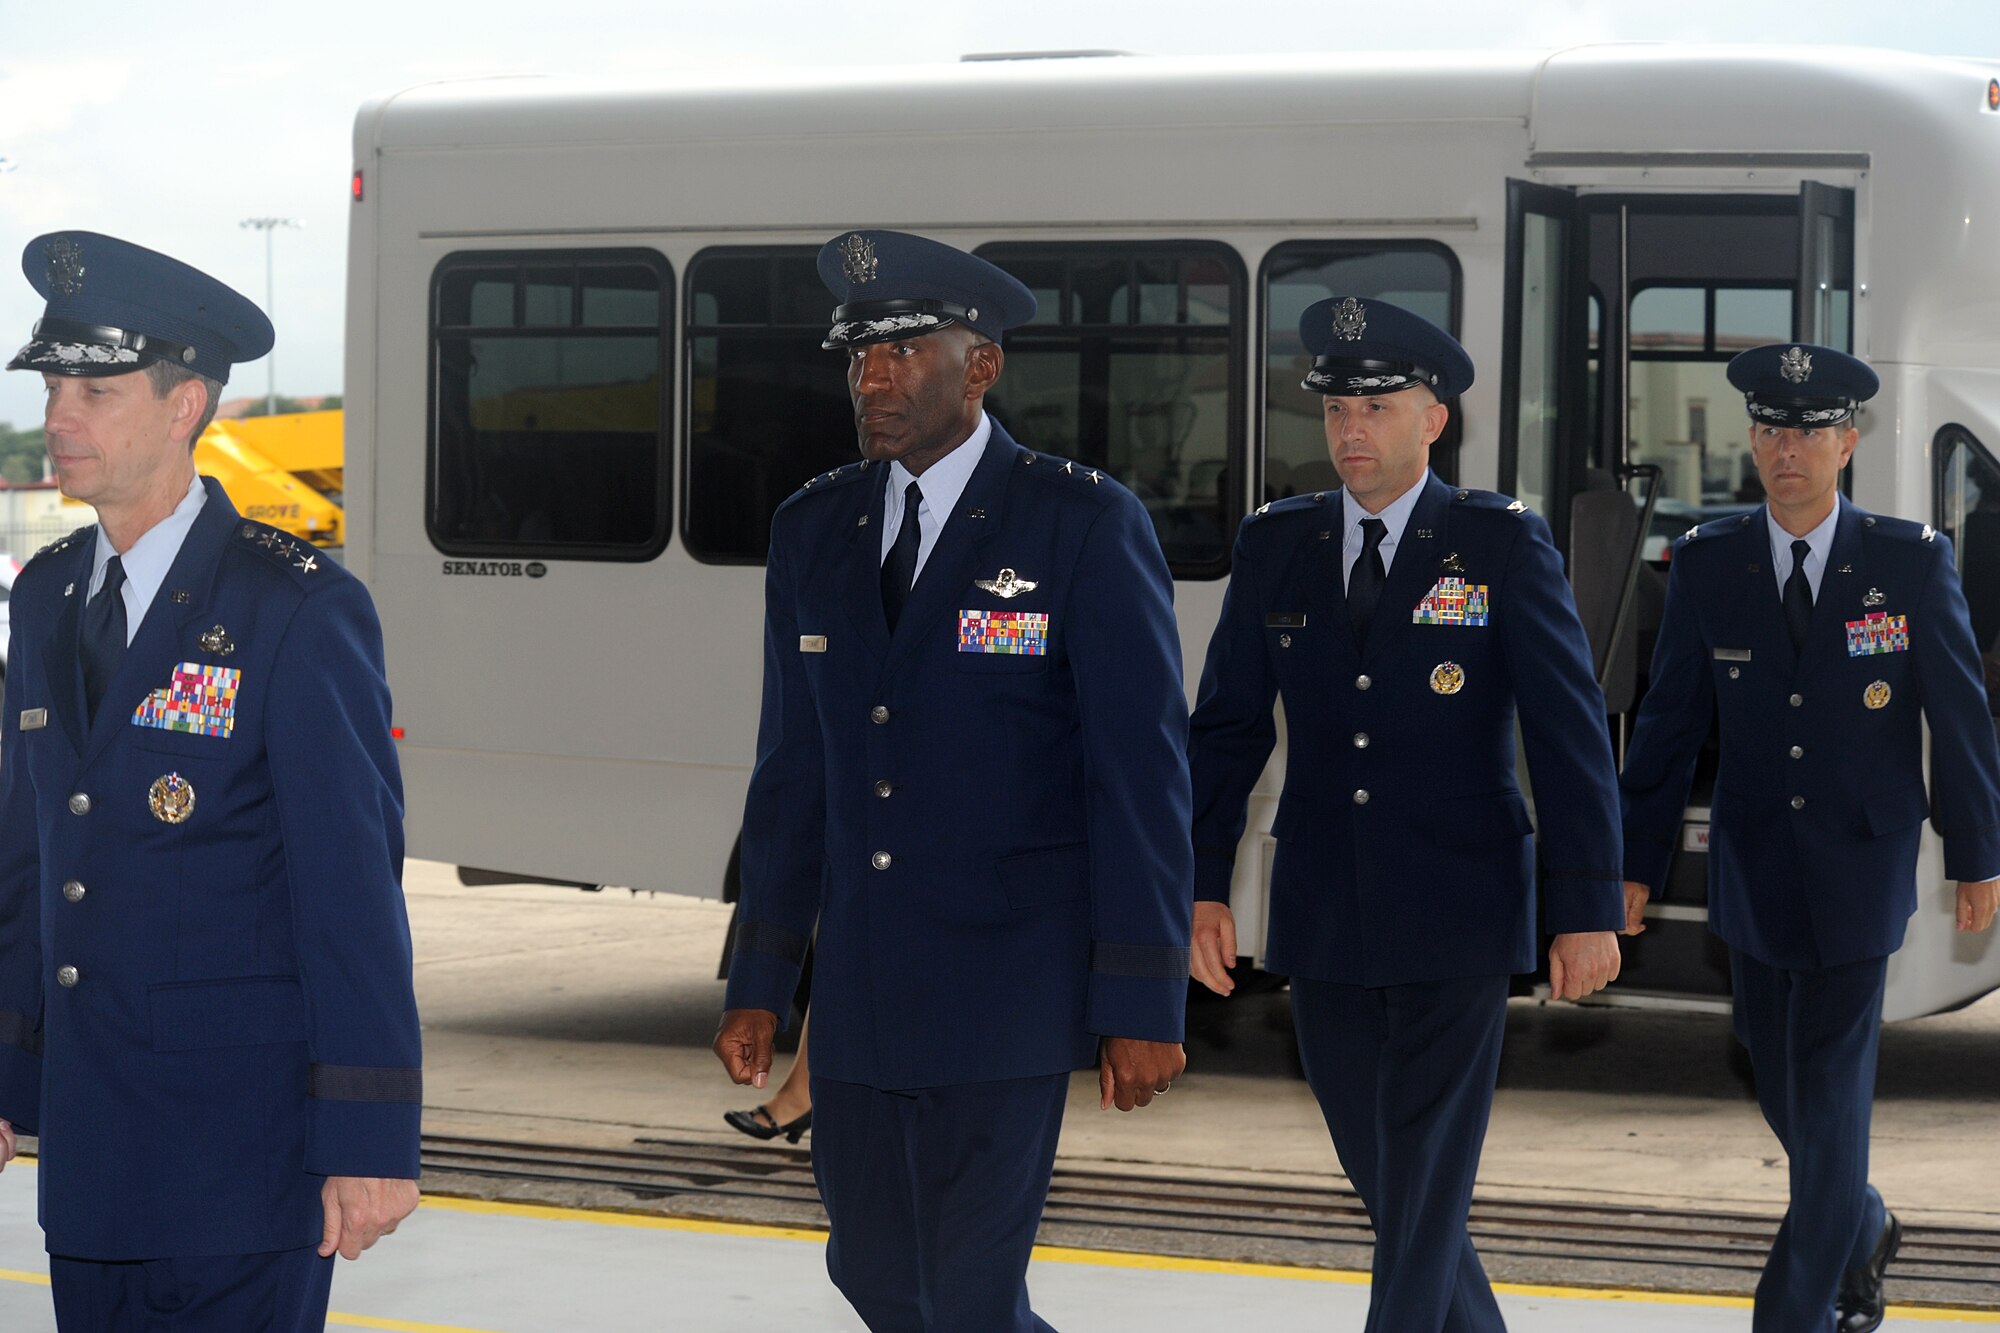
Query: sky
point(169, 124)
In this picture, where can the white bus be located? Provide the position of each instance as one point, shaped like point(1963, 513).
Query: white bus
point(583, 367)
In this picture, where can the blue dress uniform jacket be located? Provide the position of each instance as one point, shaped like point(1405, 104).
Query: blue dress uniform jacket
point(203, 1019)
point(1405, 848)
point(993, 844)
point(1819, 796)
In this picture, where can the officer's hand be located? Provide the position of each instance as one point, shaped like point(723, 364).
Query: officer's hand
point(1131, 1071)
point(1636, 897)
point(1977, 902)
point(1214, 951)
point(1582, 963)
point(7, 1144)
point(360, 1210)
point(743, 1044)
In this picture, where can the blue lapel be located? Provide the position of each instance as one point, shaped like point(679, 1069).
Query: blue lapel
point(1318, 575)
point(60, 661)
point(149, 660)
point(859, 590)
point(955, 557)
point(1752, 608)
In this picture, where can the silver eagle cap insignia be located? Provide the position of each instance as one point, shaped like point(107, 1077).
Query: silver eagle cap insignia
point(66, 266)
point(857, 259)
point(1006, 586)
point(1350, 320)
point(1796, 366)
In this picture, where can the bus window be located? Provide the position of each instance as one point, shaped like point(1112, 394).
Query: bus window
point(767, 406)
point(1420, 276)
point(1133, 365)
point(548, 395)
point(1968, 512)
point(1685, 417)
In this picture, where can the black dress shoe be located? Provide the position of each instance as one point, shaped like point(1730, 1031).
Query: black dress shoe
point(1861, 1305)
point(758, 1124)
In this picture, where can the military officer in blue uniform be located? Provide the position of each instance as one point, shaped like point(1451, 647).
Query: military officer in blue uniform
point(1406, 624)
point(206, 1010)
point(1820, 637)
point(971, 778)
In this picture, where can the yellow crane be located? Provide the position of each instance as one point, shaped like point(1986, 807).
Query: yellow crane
point(282, 470)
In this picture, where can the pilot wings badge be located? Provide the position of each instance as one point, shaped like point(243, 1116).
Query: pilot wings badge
point(1006, 586)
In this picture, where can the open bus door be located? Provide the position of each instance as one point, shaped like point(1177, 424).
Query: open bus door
point(1622, 314)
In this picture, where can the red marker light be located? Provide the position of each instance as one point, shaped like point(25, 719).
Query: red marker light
point(1993, 94)
point(395, 733)
point(356, 189)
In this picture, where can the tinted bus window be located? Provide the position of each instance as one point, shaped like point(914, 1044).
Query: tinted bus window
point(767, 406)
point(549, 404)
point(1422, 277)
point(1968, 512)
point(1133, 364)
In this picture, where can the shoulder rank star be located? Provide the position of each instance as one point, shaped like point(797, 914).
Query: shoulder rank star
point(1006, 586)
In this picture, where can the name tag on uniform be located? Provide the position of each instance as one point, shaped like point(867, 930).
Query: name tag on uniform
point(34, 719)
point(1732, 654)
point(1285, 620)
point(812, 643)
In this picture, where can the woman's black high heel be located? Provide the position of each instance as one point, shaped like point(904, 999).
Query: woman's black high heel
point(758, 1124)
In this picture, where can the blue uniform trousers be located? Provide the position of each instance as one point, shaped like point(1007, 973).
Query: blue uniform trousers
point(1404, 1075)
point(1812, 1035)
point(934, 1196)
point(281, 1292)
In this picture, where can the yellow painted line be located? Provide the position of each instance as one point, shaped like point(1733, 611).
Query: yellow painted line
point(1046, 1254)
point(398, 1325)
point(1153, 1262)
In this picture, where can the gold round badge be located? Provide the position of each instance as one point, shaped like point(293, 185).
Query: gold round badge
point(171, 798)
point(1447, 678)
point(1877, 694)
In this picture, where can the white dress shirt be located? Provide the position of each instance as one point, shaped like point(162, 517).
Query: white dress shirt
point(1821, 541)
point(941, 485)
point(1395, 517)
point(147, 563)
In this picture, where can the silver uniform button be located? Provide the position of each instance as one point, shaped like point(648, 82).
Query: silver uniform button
point(879, 714)
point(1798, 752)
point(73, 890)
point(66, 976)
point(1362, 682)
point(79, 803)
point(1797, 699)
point(1360, 740)
point(1361, 796)
point(884, 787)
point(880, 860)
point(1798, 803)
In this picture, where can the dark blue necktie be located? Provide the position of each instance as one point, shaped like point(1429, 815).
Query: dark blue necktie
point(1798, 596)
point(103, 635)
point(1364, 585)
point(899, 570)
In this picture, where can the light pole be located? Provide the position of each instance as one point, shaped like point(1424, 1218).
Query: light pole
point(268, 226)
